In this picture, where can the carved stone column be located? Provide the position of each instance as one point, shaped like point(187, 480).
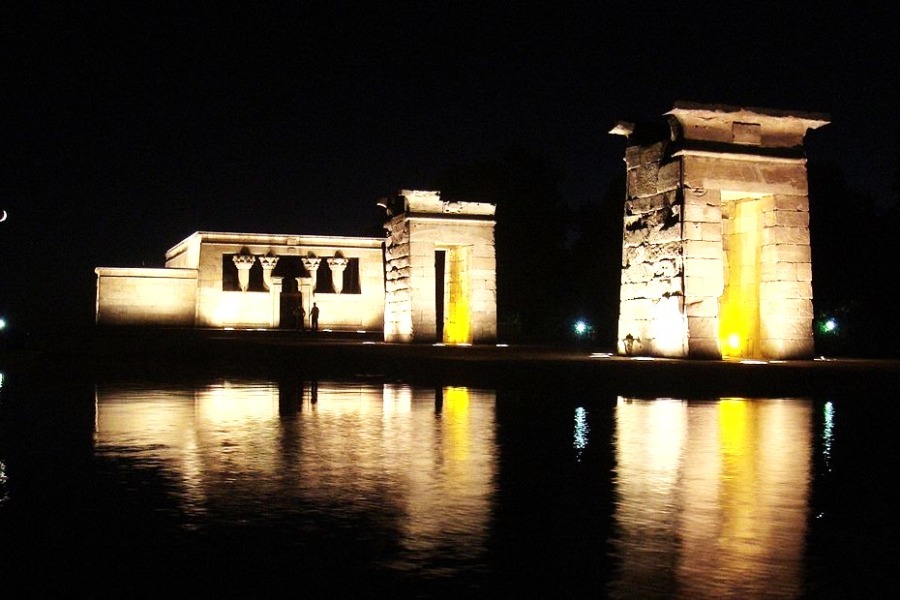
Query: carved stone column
point(311, 264)
point(337, 265)
point(268, 263)
point(275, 285)
point(306, 288)
point(244, 262)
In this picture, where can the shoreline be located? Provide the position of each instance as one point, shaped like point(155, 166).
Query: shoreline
point(114, 354)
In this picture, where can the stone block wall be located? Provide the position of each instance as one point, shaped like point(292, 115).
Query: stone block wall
point(421, 225)
point(398, 320)
point(651, 313)
point(217, 307)
point(146, 297)
point(786, 299)
point(685, 258)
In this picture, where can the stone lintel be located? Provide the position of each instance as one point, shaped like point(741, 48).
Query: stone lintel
point(752, 178)
point(745, 125)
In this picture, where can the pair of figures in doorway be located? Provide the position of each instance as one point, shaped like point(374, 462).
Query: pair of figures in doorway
point(300, 317)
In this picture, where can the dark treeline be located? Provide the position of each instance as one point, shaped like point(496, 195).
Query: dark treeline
point(555, 264)
point(854, 257)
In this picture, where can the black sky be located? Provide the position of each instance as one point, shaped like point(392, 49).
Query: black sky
point(127, 126)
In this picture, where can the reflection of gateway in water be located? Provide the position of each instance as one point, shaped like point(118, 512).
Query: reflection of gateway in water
point(417, 460)
point(719, 488)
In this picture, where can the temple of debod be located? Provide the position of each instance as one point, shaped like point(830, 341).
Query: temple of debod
point(432, 279)
point(716, 259)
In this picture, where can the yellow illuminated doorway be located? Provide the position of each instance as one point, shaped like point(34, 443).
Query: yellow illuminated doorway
point(739, 305)
point(455, 296)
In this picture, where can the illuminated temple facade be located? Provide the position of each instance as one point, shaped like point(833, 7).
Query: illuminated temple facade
point(432, 279)
point(716, 251)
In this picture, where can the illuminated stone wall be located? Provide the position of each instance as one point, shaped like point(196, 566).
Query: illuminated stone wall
point(430, 238)
point(397, 286)
point(190, 291)
point(141, 296)
point(217, 307)
point(716, 259)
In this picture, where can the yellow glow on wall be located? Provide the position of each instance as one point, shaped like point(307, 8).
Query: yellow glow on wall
point(456, 329)
point(739, 304)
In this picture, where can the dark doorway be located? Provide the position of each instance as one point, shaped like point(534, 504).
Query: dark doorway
point(289, 303)
point(440, 261)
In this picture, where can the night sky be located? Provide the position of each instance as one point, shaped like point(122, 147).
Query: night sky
point(127, 126)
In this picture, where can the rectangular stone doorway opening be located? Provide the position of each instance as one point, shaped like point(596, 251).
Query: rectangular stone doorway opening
point(452, 295)
point(739, 315)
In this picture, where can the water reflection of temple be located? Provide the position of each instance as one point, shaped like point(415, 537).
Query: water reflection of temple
point(712, 497)
point(417, 462)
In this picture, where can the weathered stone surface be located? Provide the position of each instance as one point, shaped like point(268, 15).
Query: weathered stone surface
point(703, 327)
point(798, 203)
point(754, 177)
point(702, 287)
point(649, 204)
point(703, 231)
point(787, 349)
point(785, 271)
point(795, 253)
point(785, 235)
point(769, 290)
point(709, 268)
point(694, 249)
point(719, 211)
point(783, 218)
point(786, 308)
point(702, 306)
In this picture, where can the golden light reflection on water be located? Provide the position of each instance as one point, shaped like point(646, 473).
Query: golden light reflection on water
point(418, 462)
point(712, 500)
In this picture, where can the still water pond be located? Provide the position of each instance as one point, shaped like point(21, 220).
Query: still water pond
point(267, 488)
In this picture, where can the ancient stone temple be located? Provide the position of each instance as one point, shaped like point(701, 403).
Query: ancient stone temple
point(716, 256)
point(440, 270)
point(432, 279)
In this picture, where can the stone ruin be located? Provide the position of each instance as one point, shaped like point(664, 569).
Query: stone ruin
point(440, 270)
point(716, 252)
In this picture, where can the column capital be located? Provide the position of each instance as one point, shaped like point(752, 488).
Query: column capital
point(337, 265)
point(310, 263)
point(268, 262)
point(243, 261)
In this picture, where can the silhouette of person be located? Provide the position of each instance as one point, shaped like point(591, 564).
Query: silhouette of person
point(314, 316)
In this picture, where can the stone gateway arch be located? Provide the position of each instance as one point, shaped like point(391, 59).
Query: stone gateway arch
point(716, 256)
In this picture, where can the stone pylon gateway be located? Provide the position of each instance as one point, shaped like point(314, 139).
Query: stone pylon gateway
point(440, 270)
point(716, 258)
